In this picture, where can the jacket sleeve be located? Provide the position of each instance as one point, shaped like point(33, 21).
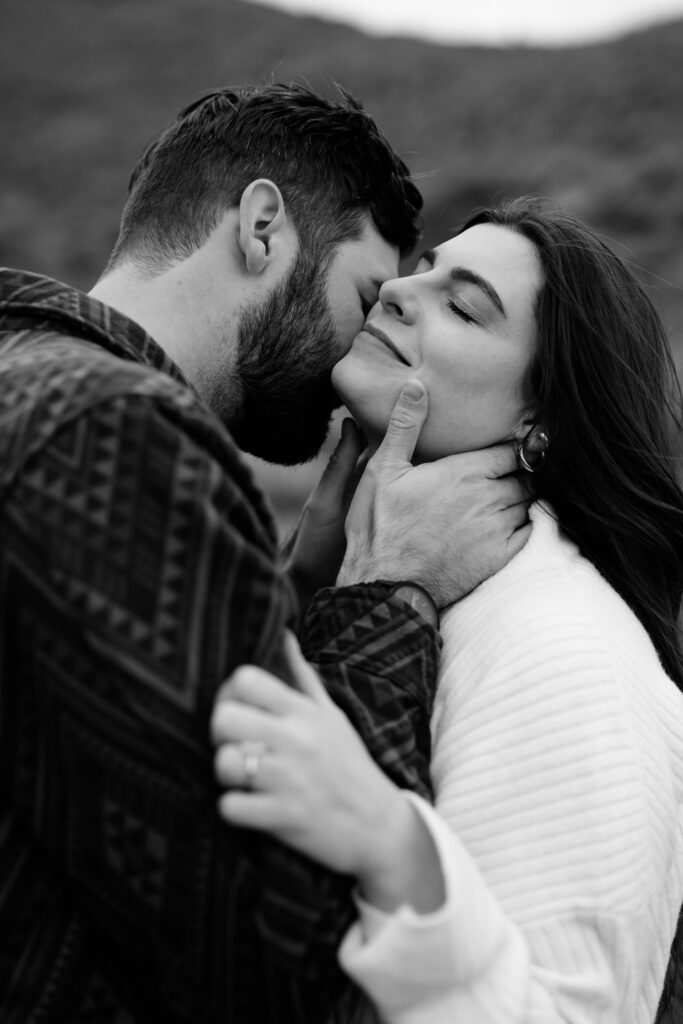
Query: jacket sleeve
point(139, 571)
point(379, 661)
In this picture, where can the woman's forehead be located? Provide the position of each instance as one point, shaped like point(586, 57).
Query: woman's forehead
point(506, 257)
point(503, 257)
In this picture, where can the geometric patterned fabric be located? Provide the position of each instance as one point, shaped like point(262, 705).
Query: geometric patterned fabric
point(138, 567)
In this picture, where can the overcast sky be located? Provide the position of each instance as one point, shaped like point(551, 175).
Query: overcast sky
point(550, 22)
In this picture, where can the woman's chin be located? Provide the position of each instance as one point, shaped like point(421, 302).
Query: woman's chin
point(356, 401)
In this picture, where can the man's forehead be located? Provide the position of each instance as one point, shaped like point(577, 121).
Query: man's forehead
point(370, 256)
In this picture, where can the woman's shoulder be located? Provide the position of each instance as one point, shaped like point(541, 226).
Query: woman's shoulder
point(546, 664)
point(549, 615)
point(542, 591)
point(548, 589)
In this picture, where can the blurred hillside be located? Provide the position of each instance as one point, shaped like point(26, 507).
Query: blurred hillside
point(87, 83)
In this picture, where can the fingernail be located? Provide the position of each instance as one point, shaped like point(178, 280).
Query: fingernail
point(412, 391)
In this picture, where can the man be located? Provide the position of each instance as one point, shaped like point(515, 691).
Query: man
point(139, 566)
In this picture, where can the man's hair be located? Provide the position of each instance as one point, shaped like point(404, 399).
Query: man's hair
point(327, 157)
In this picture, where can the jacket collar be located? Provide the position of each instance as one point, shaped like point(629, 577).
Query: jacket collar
point(31, 299)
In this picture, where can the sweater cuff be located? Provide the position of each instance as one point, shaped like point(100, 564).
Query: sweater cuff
point(407, 957)
point(372, 919)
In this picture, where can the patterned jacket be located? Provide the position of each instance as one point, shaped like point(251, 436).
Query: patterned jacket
point(138, 567)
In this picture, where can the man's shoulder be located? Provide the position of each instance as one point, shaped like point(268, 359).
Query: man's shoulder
point(49, 377)
point(51, 381)
point(70, 362)
point(49, 329)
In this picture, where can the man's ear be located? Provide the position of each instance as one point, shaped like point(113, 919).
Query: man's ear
point(265, 233)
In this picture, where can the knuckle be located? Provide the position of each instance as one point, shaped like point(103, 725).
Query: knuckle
point(302, 738)
point(401, 420)
point(371, 472)
point(240, 677)
point(505, 457)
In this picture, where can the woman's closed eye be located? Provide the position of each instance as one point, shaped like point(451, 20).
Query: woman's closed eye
point(459, 311)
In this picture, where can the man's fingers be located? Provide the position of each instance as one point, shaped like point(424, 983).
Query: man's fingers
point(341, 465)
point(405, 424)
point(303, 675)
point(509, 490)
point(352, 434)
point(491, 463)
point(498, 461)
point(518, 539)
point(356, 478)
point(516, 515)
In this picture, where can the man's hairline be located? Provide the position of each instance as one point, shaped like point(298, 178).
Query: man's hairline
point(152, 266)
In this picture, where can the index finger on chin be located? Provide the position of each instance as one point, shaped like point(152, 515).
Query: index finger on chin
point(405, 423)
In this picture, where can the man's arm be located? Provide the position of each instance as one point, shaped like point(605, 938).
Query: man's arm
point(445, 525)
point(378, 659)
point(138, 573)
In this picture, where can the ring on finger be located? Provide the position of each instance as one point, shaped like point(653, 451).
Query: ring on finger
point(252, 751)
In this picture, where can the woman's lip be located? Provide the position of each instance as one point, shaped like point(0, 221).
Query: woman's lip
point(378, 333)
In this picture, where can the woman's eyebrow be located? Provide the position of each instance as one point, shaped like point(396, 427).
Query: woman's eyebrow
point(469, 277)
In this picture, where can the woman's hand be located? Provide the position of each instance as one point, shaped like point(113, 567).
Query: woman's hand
point(314, 552)
point(316, 787)
point(295, 767)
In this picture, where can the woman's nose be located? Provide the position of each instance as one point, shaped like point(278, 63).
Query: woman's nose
point(397, 297)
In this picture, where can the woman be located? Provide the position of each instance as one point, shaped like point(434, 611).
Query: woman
point(550, 872)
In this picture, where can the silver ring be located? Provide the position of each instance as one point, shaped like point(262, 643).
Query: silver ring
point(252, 753)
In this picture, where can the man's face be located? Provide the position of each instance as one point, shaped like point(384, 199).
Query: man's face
point(356, 273)
point(289, 343)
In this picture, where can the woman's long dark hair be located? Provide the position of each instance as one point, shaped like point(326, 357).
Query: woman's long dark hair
point(605, 389)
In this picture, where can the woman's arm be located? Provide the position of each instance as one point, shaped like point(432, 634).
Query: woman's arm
point(544, 829)
point(534, 907)
point(317, 789)
point(469, 960)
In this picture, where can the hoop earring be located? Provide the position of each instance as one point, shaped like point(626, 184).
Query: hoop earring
point(538, 454)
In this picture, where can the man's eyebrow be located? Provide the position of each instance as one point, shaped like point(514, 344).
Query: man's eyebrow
point(469, 277)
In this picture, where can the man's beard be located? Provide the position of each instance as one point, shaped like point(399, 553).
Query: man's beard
point(287, 347)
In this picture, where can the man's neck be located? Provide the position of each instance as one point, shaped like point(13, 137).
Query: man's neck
point(179, 309)
point(141, 300)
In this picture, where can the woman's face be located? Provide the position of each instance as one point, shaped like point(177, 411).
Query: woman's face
point(464, 325)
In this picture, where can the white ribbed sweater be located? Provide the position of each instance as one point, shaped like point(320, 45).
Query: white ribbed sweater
point(558, 772)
